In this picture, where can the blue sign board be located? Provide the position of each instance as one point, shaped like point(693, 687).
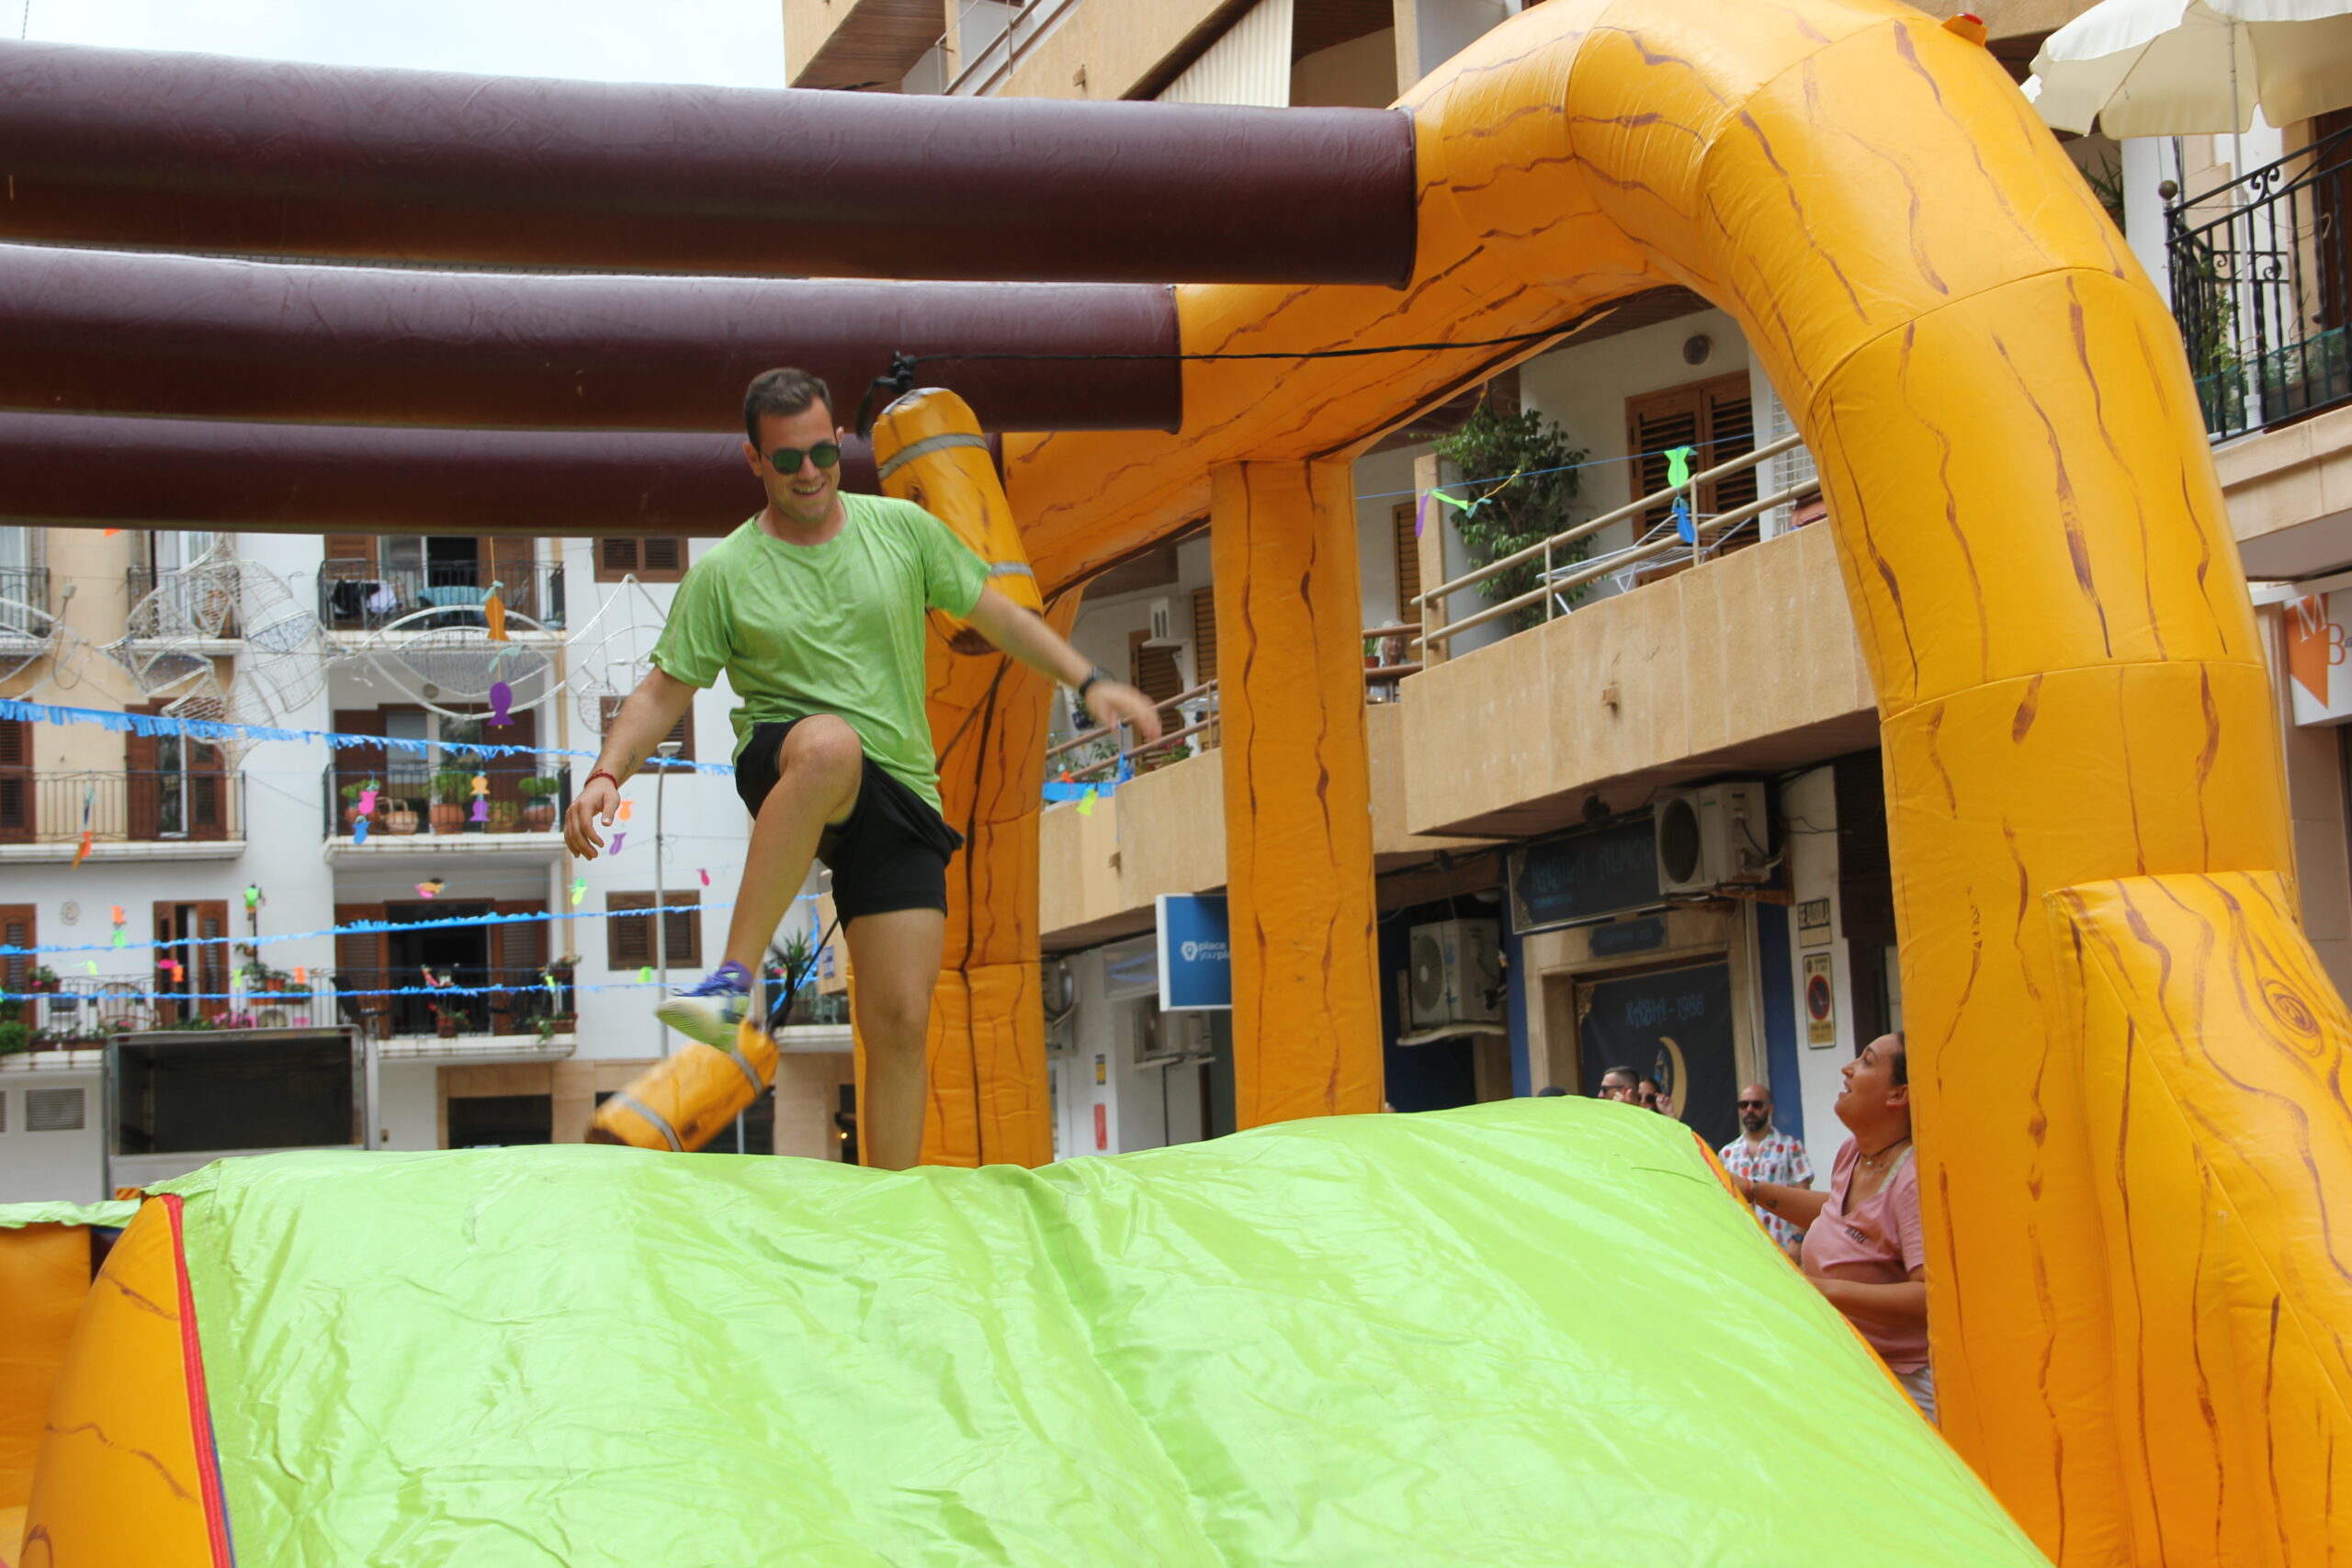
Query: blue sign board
point(1195, 957)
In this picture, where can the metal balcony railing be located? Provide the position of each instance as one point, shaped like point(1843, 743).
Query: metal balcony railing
point(194, 600)
point(1188, 719)
point(24, 590)
point(69, 1014)
point(413, 797)
point(2262, 290)
point(1664, 543)
point(360, 595)
point(148, 806)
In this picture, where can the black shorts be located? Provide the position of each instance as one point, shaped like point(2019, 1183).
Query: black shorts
point(893, 851)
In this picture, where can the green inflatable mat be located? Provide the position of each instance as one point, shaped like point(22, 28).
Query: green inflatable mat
point(1528, 1333)
point(114, 1216)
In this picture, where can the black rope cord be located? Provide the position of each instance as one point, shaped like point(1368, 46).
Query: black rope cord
point(900, 379)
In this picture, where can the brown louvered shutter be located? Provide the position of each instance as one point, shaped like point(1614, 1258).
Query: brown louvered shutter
point(16, 782)
point(359, 961)
point(212, 954)
point(663, 560)
point(1204, 634)
point(1656, 423)
point(628, 937)
point(1408, 545)
point(1731, 433)
point(517, 954)
point(19, 926)
point(1153, 670)
point(351, 550)
point(616, 558)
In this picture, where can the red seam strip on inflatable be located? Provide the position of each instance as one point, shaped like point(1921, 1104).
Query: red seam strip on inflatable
point(199, 1407)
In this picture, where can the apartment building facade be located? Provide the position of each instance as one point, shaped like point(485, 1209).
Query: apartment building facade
point(195, 999)
point(1522, 762)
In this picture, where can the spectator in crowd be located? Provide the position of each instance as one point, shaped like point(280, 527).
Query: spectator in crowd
point(1863, 1247)
point(1620, 1083)
point(1648, 1094)
point(1763, 1153)
point(1550, 1091)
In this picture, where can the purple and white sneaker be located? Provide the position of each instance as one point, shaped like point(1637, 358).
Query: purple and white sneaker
point(712, 1011)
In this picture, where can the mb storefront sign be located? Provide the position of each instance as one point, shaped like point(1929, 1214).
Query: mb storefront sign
point(1195, 954)
point(2315, 668)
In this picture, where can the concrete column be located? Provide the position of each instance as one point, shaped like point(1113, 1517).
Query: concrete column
point(1297, 791)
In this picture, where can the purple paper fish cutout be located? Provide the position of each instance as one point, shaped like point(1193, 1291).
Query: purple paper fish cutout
point(617, 841)
point(502, 697)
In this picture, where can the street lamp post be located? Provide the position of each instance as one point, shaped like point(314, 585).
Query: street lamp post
point(668, 749)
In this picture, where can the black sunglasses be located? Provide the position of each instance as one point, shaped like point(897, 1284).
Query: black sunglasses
point(1754, 1104)
point(786, 460)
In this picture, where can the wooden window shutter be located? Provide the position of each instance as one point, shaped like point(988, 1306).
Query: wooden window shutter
point(1656, 423)
point(1408, 560)
point(614, 559)
point(1204, 634)
point(1153, 670)
point(664, 558)
point(346, 552)
point(17, 805)
point(212, 955)
point(19, 926)
point(1731, 433)
point(629, 939)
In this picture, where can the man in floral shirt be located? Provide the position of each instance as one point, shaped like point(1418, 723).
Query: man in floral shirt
point(1763, 1153)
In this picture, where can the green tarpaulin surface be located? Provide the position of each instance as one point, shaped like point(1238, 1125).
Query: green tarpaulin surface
point(16, 1216)
point(1530, 1333)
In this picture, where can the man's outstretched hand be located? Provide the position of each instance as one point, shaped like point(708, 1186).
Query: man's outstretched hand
point(1112, 703)
point(595, 803)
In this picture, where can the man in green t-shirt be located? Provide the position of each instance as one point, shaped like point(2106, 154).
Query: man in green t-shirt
point(815, 611)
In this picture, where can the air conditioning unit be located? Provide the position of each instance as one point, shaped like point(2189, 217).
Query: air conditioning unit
point(1457, 974)
point(1165, 632)
point(1711, 838)
point(1156, 1038)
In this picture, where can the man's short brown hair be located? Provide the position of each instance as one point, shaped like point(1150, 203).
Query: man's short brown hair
point(783, 392)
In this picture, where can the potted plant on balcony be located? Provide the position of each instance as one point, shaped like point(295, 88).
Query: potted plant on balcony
point(14, 1037)
point(41, 979)
point(505, 817)
point(538, 802)
point(451, 789)
point(446, 1016)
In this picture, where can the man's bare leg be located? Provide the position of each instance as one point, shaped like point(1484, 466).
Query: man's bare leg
point(818, 770)
point(895, 959)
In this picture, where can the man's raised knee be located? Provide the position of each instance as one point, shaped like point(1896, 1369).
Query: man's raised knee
point(825, 747)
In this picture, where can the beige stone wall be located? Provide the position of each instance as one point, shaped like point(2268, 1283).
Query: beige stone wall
point(1744, 661)
point(2290, 493)
point(1102, 49)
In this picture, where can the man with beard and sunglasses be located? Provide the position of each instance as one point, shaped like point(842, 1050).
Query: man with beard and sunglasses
point(815, 610)
point(1763, 1153)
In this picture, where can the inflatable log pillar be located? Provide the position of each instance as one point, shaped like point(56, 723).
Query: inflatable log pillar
point(989, 1101)
point(1297, 791)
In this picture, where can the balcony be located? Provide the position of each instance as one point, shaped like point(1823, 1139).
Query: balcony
point(2262, 290)
point(186, 814)
point(193, 604)
point(422, 810)
point(72, 1015)
point(357, 595)
point(23, 601)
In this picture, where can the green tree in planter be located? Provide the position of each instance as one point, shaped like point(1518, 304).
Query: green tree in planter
point(1522, 486)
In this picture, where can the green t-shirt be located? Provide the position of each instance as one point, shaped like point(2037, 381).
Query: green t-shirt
point(836, 628)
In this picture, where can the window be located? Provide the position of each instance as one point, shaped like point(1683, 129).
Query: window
point(1204, 635)
point(629, 939)
point(683, 732)
point(1716, 418)
point(659, 559)
point(54, 1110)
point(17, 929)
point(1408, 562)
point(1153, 670)
point(16, 779)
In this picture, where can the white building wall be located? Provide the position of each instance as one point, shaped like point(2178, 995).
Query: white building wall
point(60, 1167)
point(1809, 804)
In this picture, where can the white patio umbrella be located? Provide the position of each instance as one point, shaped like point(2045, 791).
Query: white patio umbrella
point(2179, 67)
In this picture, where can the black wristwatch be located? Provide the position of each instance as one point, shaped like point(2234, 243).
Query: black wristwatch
point(1078, 691)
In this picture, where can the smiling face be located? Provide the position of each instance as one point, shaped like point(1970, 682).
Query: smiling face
point(1876, 1100)
point(805, 497)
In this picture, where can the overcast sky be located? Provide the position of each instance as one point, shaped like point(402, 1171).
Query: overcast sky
point(734, 42)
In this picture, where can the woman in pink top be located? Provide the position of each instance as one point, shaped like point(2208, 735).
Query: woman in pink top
point(1863, 1247)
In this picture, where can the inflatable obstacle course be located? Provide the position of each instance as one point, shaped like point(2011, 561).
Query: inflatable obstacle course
point(1513, 1334)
